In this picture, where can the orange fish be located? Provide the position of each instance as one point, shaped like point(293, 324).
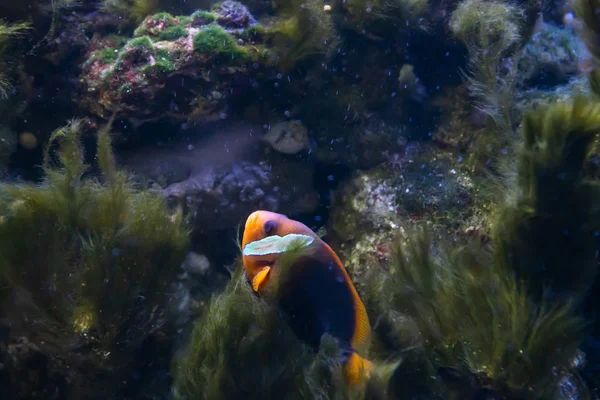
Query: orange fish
point(319, 298)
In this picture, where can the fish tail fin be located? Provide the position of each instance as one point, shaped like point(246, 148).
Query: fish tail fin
point(357, 370)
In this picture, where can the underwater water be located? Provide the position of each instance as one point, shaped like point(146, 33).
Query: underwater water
point(299, 199)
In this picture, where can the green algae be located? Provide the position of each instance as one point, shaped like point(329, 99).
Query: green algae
point(490, 29)
point(202, 18)
point(549, 218)
point(143, 42)
point(173, 33)
point(106, 56)
point(214, 41)
point(7, 34)
point(156, 24)
point(304, 30)
point(468, 314)
point(242, 347)
point(93, 258)
point(487, 311)
point(163, 63)
point(254, 33)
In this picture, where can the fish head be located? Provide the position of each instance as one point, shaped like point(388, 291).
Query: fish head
point(259, 225)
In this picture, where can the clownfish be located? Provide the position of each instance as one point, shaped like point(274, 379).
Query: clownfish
point(319, 296)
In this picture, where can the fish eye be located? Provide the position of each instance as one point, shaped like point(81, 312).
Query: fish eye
point(269, 227)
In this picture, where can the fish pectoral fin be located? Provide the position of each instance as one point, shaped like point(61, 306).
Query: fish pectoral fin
point(260, 278)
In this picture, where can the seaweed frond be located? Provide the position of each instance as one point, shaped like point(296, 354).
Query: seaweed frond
point(305, 30)
point(91, 261)
point(469, 314)
point(7, 33)
point(589, 31)
point(549, 218)
point(490, 29)
point(242, 347)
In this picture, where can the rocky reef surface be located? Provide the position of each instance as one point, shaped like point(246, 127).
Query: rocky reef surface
point(221, 173)
point(187, 68)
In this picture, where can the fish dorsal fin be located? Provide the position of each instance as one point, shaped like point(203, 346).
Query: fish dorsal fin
point(361, 339)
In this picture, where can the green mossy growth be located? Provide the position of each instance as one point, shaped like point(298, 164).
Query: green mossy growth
point(7, 33)
point(164, 17)
point(91, 259)
point(106, 56)
point(254, 33)
point(214, 41)
point(546, 230)
point(485, 22)
point(143, 42)
point(173, 33)
point(467, 310)
point(202, 18)
point(163, 63)
point(243, 348)
point(305, 30)
point(490, 29)
point(468, 314)
point(156, 24)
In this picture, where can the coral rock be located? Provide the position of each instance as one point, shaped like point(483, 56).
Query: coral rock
point(183, 68)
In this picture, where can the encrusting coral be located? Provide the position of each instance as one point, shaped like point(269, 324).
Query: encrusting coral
point(88, 263)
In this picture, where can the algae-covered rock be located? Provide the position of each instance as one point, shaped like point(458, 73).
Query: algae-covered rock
point(428, 185)
point(550, 58)
point(181, 67)
point(221, 177)
point(460, 123)
point(233, 14)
